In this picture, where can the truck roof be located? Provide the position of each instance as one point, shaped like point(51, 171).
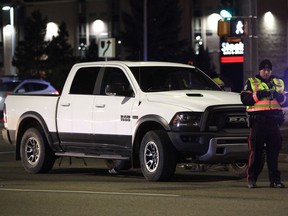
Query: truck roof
point(135, 63)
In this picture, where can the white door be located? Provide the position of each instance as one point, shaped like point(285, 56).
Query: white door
point(112, 114)
point(75, 112)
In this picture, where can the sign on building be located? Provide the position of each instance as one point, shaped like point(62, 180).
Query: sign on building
point(231, 51)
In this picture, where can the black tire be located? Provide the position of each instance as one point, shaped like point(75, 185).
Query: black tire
point(157, 156)
point(36, 156)
point(239, 168)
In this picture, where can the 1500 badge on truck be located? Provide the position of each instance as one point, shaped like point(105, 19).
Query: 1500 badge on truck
point(151, 115)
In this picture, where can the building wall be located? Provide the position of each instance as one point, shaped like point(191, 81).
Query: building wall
point(272, 33)
point(272, 39)
point(68, 12)
point(185, 25)
point(211, 39)
point(60, 11)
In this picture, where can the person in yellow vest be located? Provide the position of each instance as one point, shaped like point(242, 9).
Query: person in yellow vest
point(264, 97)
point(215, 77)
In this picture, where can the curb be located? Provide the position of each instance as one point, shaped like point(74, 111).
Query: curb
point(283, 157)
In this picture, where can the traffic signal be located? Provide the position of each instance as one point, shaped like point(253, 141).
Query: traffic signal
point(227, 9)
point(237, 27)
point(233, 27)
point(223, 28)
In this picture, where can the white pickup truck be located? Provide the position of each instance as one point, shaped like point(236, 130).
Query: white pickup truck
point(152, 115)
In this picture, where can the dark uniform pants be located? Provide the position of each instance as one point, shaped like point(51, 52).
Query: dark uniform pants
point(264, 132)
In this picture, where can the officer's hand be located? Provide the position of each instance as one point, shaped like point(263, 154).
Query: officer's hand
point(279, 96)
point(263, 94)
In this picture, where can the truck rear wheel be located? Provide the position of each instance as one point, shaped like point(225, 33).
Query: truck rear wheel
point(36, 156)
point(157, 156)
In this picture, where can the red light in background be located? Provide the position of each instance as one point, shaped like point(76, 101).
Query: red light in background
point(232, 59)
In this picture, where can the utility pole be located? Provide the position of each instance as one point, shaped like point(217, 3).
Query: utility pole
point(145, 49)
point(250, 67)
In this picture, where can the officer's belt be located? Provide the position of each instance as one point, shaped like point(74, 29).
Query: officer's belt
point(266, 119)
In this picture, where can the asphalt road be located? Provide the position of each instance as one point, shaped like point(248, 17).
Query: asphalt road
point(76, 189)
point(72, 188)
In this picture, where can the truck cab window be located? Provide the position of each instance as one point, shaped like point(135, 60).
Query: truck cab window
point(115, 80)
point(84, 81)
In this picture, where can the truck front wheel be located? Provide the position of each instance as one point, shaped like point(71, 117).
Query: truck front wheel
point(36, 156)
point(239, 168)
point(157, 156)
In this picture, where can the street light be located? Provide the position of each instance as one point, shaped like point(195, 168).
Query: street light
point(6, 8)
point(11, 69)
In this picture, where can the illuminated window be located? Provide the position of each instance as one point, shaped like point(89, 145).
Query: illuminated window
point(51, 30)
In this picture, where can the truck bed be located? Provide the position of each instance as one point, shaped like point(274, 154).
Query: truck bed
point(17, 104)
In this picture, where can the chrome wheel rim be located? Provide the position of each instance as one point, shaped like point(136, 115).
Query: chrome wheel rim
point(151, 156)
point(240, 165)
point(32, 151)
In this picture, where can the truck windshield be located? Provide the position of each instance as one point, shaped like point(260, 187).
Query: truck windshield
point(161, 78)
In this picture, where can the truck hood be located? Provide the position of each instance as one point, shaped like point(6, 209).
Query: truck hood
point(194, 100)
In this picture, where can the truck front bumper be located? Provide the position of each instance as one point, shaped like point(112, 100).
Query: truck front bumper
point(219, 150)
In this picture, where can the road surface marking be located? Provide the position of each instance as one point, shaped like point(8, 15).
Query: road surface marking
point(87, 192)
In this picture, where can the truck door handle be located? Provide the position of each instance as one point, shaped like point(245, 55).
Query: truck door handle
point(65, 104)
point(100, 105)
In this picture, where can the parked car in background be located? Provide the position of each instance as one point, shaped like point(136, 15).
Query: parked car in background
point(28, 86)
point(5, 78)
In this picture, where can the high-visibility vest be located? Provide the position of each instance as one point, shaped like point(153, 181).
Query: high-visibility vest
point(218, 81)
point(265, 103)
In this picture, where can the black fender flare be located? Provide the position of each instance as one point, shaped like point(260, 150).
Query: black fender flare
point(25, 122)
point(151, 118)
point(139, 130)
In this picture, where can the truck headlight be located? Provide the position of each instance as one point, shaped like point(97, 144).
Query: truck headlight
point(186, 120)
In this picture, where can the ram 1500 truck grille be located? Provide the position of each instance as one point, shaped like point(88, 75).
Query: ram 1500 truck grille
point(224, 117)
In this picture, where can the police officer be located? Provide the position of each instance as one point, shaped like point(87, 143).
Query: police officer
point(264, 98)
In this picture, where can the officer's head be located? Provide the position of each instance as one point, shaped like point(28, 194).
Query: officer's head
point(265, 69)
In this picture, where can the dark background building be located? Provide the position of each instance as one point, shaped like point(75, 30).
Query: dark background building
point(89, 20)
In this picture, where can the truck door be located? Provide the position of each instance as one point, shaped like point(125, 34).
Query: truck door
point(75, 112)
point(112, 113)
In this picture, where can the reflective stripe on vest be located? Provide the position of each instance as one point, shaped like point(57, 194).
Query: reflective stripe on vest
point(265, 103)
point(279, 85)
